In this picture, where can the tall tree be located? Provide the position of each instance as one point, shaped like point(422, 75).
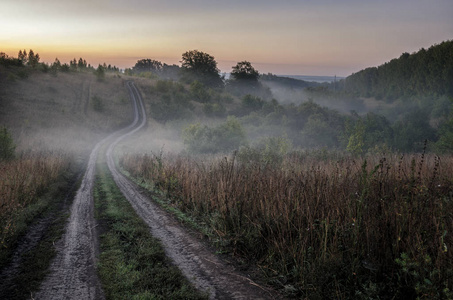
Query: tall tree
point(201, 66)
point(22, 56)
point(33, 59)
point(82, 64)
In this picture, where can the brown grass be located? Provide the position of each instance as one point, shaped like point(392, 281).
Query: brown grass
point(23, 181)
point(44, 112)
point(332, 228)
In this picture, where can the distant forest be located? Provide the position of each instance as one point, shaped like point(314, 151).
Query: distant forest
point(426, 72)
point(404, 105)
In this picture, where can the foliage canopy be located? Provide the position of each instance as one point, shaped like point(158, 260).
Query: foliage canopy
point(244, 71)
point(201, 66)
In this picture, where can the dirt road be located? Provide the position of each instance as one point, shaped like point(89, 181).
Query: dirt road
point(73, 272)
point(203, 268)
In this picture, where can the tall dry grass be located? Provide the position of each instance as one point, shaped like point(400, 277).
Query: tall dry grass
point(333, 228)
point(23, 181)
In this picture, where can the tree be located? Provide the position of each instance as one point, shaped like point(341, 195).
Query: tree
point(33, 59)
point(148, 65)
point(5, 60)
point(73, 64)
point(197, 65)
point(57, 64)
point(411, 132)
point(23, 57)
point(251, 103)
point(82, 64)
point(225, 137)
point(100, 72)
point(244, 71)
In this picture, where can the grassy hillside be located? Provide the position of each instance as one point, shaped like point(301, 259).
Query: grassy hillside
point(49, 123)
point(66, 111)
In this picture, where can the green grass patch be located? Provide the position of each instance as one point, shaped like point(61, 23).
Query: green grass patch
point(132, 264)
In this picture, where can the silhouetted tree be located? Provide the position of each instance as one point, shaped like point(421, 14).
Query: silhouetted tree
point(73, 64)
point(33, 59)
point(56, 64)
point(244, 71)
point(148, 65)
point(197, 65)
point(82, 64)
point(5, 60)
point(100, 72)
point(23, 57)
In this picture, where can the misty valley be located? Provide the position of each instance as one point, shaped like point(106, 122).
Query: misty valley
point(275, 187)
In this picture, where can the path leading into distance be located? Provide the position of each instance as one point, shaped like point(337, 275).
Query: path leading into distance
point(73, 272)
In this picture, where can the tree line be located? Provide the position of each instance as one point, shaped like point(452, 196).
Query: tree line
point(195, 66)
point(426, 72)
point(32, 60)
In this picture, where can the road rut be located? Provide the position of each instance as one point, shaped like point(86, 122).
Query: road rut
point(203, 268)
point(73, 271)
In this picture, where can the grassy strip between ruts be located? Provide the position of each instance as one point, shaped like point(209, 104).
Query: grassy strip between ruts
point(132, 264)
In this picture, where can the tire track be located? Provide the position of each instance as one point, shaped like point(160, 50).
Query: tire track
point(203, 268)
point(73, 271)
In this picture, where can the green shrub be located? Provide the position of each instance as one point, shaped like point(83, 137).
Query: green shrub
point(225, 137)
point(7, 146)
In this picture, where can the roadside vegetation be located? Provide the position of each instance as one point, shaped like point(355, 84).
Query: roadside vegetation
point(132, 264)
point(319, 226)
point(329, 192)
point(50, 116)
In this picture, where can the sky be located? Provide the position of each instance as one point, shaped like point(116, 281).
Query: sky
point(285, 37)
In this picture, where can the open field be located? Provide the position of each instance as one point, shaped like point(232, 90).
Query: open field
point(333, 228)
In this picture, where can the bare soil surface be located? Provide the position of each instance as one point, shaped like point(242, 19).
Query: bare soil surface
point(200, 265)
point(36, 232)
point(73, 271)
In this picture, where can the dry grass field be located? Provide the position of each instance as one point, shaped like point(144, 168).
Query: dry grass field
point(68, 112)
point(328, 228)
point(54, 121)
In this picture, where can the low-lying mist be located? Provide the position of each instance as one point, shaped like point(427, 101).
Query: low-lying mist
point(68, 112)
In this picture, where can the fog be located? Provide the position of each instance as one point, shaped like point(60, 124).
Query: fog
point(66, 113)
point(288, 95)
point(70, 112)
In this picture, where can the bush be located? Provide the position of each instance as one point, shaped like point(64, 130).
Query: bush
point(225, 137)
point(7, 146)
point(214, 110)
point(268, 151)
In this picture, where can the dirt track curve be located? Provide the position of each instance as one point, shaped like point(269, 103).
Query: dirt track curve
point(73, 273)
point(203, 268)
